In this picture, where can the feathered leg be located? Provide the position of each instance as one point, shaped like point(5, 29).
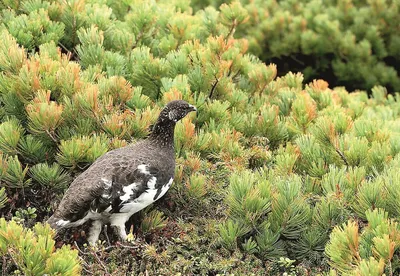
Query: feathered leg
point(95, 232)
point(118, 224)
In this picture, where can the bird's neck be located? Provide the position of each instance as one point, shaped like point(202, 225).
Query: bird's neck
point(163, 133)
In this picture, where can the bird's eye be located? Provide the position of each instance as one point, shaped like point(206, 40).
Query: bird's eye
point(191, 108)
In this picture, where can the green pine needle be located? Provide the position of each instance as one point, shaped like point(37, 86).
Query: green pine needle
point(3, 197)
point(50, 176)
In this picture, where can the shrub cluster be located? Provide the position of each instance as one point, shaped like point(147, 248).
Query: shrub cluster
point(269, 168)
point(34, 252)
point(351, 43)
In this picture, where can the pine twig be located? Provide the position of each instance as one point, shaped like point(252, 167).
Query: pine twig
point(121, 245)
point(137, 38)
point(10, 251)
point(93, 253)
point(100, 262)
point(80, 251)
point(263, 87)
point(235, 76)
point(342, 156)
point(86, 264)
point(232, 30)
point(214, 86)
point(4, 266)
point(51, 135)
point(62, 46)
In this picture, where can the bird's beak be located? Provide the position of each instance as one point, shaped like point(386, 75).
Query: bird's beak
point(192, 107)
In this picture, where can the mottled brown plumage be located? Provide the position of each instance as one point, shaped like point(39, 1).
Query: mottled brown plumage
point(123, 181)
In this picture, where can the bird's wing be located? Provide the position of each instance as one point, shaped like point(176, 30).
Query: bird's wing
point(126, 186)
point(106, 183)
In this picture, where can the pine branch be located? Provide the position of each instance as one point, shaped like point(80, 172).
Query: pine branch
point(100, 262)
point(52, 136)
point(232, 30)
point(214, 86)
point(342, 156)
point(139, 37)
point(4, 266)
point(82, 259)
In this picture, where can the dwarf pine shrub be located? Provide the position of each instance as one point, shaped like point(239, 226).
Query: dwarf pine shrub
point(3, 197)
point(353, 43)
point(368, 252)
point(33, 250)
point(271, 171)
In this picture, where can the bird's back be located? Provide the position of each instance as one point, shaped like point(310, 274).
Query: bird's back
point(113, 180)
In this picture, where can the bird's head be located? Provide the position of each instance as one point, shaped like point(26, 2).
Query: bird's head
point(176, 110)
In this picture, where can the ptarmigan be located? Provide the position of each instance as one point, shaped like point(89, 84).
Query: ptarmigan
point(123, 181)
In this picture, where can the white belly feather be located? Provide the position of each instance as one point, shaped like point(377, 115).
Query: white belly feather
point(146, 198)
point(128, 208)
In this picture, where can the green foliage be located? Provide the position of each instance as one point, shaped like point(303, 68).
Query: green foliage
point(196, 187)
point(25, 215)
point(371, 267)
point(355, 41)
point(310, 245)
point(33, 149)
point(269, 167)
point(269, 244)
point(329, 213)
point(369, 252)
point(313, 158)
point(391, 183)
point(33, 251)
point(230, 231)
point(3, 197)
point(153, 221)
point(10, 134)
point(81, 150)
point(53, 176)
point(249, 198)
point(44, 115)
point(343, 247)
point(34, 28)
point(287, 264)
point(14, 174)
